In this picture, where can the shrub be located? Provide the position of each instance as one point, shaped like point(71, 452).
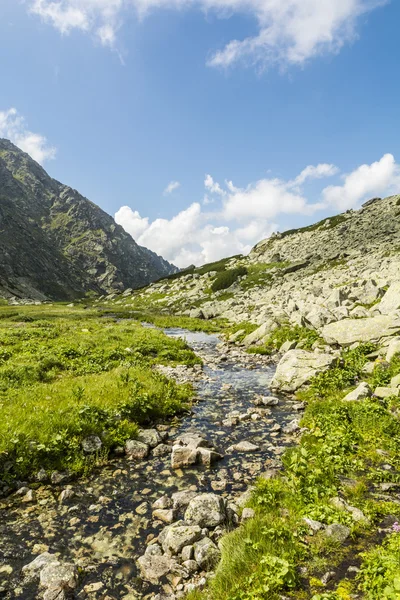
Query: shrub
point(227, 278)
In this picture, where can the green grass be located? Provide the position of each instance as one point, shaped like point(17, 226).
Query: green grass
point(227, 278)
point(66, 373)
point(258, 274)
point(283, 334)
point(340, 454)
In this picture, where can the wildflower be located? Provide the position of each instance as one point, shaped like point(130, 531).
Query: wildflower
point(396, 527)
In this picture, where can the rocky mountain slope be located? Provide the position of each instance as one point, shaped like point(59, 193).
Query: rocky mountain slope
point(54, 243)
point(336, 269)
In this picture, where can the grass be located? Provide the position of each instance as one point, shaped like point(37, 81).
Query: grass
point(348, 449)
point(301, 335)
point(227, 278)
point(66, 373)
point(259, 274)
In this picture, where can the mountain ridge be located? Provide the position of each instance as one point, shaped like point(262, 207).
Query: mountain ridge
point(78, 247)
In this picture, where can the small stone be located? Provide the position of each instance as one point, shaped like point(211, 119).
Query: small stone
point(57, 574)
point(151, 437)
point(162, 450)
point(206, 510)
point(313, 525)
point(206, 553)
point(244, 447)
point(248, 513)
point(187, 553)
point(91, 444)
point(163, 502)
point(337, 532)
point(327, 577)
point(164, 515)
point(66, 495)
point(93, 587)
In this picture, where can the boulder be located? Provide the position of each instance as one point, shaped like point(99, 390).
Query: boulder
point(391, 300)
point(362, 391)
point(297, 367)
point(33, 568)
point(206, 510)
point(182, 498)
point(385, 392)
point(206, 554)
point(319, 316)
point(265, 329)
point(349, 331)
point(136, 450)
point(337, 532)
point(183, 456)
point(61, 575)
point(151, 437)
point(393, 349)
point(178, 535)
point(244, 447)
point(153, 567)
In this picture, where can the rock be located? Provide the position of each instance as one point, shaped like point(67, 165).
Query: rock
point(183, 456)
point(313, 525)
point(33, 568)
point(164, 515)
point(30, 496)
point(56, 574)
point(162, 450)
point(337, 532)
point(385, 392)
point(136, 450)
point(362, 391)
point(292, 427)
point(206, 510)
point(178, 535)
point(395, 381)
point(206, 554)
point(265, 329)
point(319, 316)
point(193, 441)
point(244, 447)
point(151, 437)
point(56, 593)
point(393, 349)
point(391, 300)
point(248, 513)
point(57, 477)
point(182, 498)
point(154, 567)
point(348, 331)
point(163, 503)
point(208, 457)
point(66, 495)
point(187, 553)
point(297, 367)
point(91, 444)
point(327, 577)
point(286, 346)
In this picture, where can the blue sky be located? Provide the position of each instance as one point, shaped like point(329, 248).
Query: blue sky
point(230, 99)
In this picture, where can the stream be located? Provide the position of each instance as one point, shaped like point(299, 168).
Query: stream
point(105, 523)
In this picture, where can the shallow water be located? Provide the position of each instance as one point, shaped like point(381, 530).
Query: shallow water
point(104, 527)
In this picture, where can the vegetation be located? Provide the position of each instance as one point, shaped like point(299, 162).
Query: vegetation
point(348, 449)
point(303, 336)
point(259, 274)
point(66, 373)
point(227, 278)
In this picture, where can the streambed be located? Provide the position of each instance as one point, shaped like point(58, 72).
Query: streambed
point(104, 525)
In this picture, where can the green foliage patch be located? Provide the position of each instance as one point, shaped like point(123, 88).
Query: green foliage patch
point(227, 278)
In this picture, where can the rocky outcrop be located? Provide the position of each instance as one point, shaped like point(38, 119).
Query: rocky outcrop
point(57, 244)
point(297, 367)
point(349, 331)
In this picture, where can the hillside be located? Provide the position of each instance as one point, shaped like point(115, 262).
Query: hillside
point(56, 244)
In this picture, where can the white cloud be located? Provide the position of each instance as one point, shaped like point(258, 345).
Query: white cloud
point(315, 172)
point(171, 187)
point(380, 178)
point(289, 31)
point(243, 217)
point(212, 186)
point(13, 127)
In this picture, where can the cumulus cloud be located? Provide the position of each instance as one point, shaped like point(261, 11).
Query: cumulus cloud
point(289, 32)
point(379, 178)
point(242, 217)
point(14, 128)
point(171, 187)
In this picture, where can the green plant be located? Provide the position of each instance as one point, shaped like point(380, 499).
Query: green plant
point(227, 278)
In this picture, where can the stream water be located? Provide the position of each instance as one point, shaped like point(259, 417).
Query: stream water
point(104, 525)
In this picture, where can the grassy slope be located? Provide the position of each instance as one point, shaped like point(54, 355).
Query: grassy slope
point(349, 449)
point(66, 373)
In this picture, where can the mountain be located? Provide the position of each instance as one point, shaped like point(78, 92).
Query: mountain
point(56, 244)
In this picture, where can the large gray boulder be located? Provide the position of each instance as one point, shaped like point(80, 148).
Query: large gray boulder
point(349, 331)
point(206, 510)
point(361, 392)
point(297, 367)
point(391, 300)
point(56, 574)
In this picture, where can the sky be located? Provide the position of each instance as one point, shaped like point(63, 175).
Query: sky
point(205, 126)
